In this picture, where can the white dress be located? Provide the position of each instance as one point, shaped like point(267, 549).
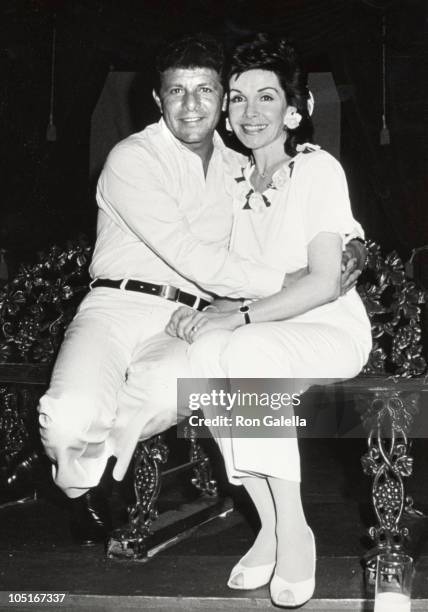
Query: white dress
point(307, 195)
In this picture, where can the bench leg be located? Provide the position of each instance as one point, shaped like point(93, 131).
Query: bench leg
point(144, 536)
point(130, 541)
point(388, 415)
point(203, 479)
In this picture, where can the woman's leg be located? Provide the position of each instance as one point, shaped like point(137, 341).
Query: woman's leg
point(286, 351)
point(294, 557)
point(263, 550)
point(276, 351)
point(205, 356)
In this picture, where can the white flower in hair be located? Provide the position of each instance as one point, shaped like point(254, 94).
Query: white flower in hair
point(292, 119)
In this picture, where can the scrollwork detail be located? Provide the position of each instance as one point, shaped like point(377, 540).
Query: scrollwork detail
point(39, 302)
point(393, 303)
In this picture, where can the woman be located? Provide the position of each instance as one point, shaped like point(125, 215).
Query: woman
point(291, 208)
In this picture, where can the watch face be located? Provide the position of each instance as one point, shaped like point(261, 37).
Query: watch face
point(244, 309)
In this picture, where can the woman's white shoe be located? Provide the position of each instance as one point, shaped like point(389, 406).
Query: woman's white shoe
point(293, 594)
point(252, 577)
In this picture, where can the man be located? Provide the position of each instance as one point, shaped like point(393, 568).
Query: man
point(164, 222)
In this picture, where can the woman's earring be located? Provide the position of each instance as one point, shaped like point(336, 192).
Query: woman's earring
point(228, 126)
point(292, 119)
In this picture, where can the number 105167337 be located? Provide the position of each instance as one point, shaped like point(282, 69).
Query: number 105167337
point(29, 597)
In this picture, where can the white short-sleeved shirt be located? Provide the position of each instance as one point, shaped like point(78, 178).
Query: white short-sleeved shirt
point(161, 220)
point(307, 195)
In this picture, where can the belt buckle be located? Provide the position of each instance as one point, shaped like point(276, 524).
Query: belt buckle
point(169, 292)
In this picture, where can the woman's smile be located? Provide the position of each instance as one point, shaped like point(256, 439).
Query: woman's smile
point(251, 128)
point(257, 107)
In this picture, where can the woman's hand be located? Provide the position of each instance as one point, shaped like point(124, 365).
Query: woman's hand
point(178, 317)
point(189, 324)
point(214, 320)
point(185, 321)
point(187, 327)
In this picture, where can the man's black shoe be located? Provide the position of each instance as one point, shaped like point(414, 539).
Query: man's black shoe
point(90, 517)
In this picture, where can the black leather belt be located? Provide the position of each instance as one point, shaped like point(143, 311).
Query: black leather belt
point(166, 291)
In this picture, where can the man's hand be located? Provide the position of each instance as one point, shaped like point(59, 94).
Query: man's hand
point(353, 260)
point(350, 274)
point(357, 250)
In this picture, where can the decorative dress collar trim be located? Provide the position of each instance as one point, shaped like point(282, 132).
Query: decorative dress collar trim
point(257, 201)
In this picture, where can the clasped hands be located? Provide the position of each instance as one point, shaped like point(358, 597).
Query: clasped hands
point(189, 325)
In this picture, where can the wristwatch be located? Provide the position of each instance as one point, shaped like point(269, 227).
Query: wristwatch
point(245, 311)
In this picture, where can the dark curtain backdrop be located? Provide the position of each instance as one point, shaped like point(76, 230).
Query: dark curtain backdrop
point(46, 193)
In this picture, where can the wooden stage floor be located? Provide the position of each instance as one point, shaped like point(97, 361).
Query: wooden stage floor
point(38, 555)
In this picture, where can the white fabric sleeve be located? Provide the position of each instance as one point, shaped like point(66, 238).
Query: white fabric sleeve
point(326, 202)
point(132, 190)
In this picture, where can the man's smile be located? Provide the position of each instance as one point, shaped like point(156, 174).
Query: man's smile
point(192, 119)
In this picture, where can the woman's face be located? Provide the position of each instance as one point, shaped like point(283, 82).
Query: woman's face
point(257, 107)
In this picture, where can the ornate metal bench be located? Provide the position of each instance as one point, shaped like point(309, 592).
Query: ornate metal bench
point(38, 304)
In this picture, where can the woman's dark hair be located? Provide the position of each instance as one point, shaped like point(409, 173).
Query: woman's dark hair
point(196, 51)
point(266, 52)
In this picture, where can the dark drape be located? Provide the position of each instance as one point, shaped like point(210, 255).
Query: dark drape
point(46, 195)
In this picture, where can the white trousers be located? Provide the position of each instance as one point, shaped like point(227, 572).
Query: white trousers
point(107, 391)
point(284, 349)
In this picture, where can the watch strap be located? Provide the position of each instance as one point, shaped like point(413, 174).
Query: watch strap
point(246, 312)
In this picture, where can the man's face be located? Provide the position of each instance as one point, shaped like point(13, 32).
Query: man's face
point(190, 100)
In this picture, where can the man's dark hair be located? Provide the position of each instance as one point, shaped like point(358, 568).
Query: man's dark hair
point(196, 51)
